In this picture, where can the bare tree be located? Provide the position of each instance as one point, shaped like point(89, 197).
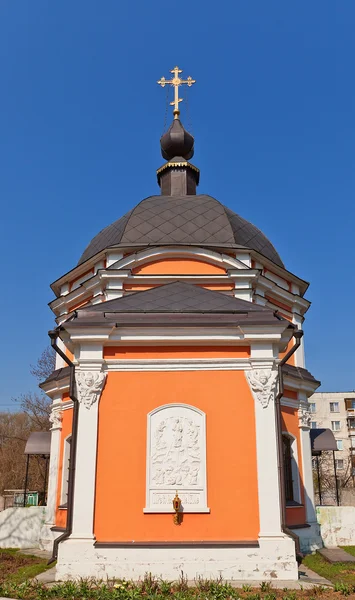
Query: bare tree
point(37, 405)
point(327, 478)
point(14, 431)
point(45, 365)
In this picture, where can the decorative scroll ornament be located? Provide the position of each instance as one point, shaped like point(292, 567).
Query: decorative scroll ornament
point(89, 386)
point(262, 383)
point(304, 417)
point(55, 418)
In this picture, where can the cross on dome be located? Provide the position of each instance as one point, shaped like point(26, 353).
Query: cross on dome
point(176, 81)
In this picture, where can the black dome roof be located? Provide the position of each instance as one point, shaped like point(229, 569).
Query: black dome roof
point(182, 220)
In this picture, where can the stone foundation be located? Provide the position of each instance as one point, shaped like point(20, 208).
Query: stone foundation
point(273, 559)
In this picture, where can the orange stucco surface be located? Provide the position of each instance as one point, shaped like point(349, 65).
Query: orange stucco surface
point(89, 272)
point(178, 266)
point(175, 352)
point(291, 360)
point(231, 456)
point(67, 417)
point(294, 515)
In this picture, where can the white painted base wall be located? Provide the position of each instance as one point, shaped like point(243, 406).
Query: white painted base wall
point(274, 559)
point(310, 538)
point(337, 525)
point(20, 527)
point(47, 537)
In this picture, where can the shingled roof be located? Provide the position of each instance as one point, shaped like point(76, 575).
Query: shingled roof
point(176, 302)
point(182, 220)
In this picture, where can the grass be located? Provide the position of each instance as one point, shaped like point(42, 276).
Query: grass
point(15, 568)
point(151, 588)
point(16, 571)
point(336, 573)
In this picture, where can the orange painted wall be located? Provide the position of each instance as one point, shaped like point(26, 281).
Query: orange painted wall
point(175, 352)
point(178, 266)
point(294, 516)
point(231, 456)
point(69, 354)
point(61, 514)
point(80, 304)
point(291, 360)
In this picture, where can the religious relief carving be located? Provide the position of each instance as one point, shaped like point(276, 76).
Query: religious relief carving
point(55, 418)
point(89, 386)
point(304, 417)
point(176, 458)
point(262, 383)
point(176, 453)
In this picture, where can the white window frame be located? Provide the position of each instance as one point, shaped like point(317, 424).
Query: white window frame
point(295, 467)
point(337, 460)
point(332, 404)
point(312, 408)
point(315, 424)
point(341, 444)
point(336, 428)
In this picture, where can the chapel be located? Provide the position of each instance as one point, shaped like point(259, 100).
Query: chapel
point(180, 420)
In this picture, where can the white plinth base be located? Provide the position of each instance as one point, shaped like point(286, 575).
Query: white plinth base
point(47, 537)
point(310, 538)
point(273, 559)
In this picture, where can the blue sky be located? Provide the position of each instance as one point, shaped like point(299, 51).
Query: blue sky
point(81, 115)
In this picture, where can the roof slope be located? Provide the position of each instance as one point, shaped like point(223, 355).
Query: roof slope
point(181, 220)
point(177, 296)
point(176, 303)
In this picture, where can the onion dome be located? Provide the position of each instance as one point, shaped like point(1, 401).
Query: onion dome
point(177, 142)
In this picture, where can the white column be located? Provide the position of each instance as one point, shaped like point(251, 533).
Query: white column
point(304, 424)
point(268, 479)
point(299, 354)
point(89, 384)
point(56, 420)
point(84, 490)
point(262, 381)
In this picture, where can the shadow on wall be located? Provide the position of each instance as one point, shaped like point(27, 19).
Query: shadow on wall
point(337, 524)
point(20, 527)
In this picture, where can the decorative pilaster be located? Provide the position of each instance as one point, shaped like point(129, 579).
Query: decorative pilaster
point(89, 383)
point(304, 420)
point(47, 536)
point(262, 382)
point(55, 419)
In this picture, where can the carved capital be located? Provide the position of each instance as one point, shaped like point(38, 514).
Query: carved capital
point(89, 386)
point(55, 418)
point(304, 418)
point(262, 383)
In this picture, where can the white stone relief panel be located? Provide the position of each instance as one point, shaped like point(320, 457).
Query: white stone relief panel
point(176, 459)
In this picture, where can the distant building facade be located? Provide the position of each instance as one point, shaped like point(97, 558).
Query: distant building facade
point(336, 411)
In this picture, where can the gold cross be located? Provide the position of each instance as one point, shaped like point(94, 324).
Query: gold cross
point(176, 82)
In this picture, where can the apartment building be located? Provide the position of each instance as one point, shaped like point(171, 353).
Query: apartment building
point(336, 411)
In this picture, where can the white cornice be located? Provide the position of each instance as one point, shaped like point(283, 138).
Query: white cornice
point(178, 364)
point(300, 385)
point(110, 281)
point(281, 271)
point(53, 387)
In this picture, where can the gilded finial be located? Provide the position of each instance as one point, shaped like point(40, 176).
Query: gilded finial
point(176, 81)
